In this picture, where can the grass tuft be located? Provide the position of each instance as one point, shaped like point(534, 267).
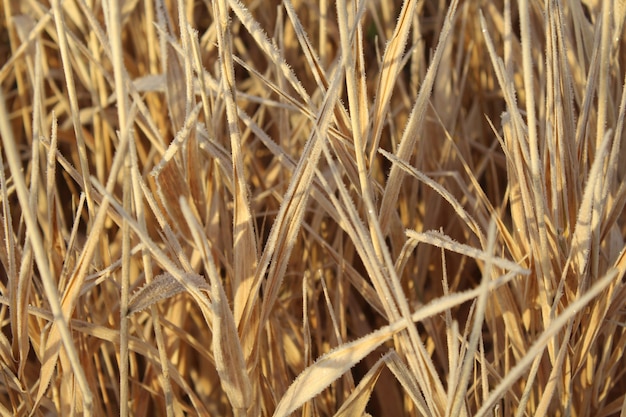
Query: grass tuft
point(312, 208)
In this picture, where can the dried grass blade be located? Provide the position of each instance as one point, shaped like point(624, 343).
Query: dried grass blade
point(604, 69)
point(411, 132)
point(528, 389)
point(9, 379)
point(61, 30)
point(160, 288)
point(310, 55)
point(588, 221)
point(330, 367)
point(18, 265)
point(404, 377)
point(484, 370)
point(229, 357)
point(195, 173)
point(390, 70)
point(113, 18)
point(537, 174)
point(566, 107)
point(169, 178)
point(358, 111)
point(614, 172)
point(356, 403)
point(377, 259)
point(592, 329)
point(124, 364)
point(442, 241)
point(361, 80)
point(203, 78)
point(174, 87)
point(170, 185)
point(352, 51)
point(269, 49)
point(515, 147)
point(245, 245)
point(17, 284)
point(187, 56)
point(439, 189)
point(555, 380)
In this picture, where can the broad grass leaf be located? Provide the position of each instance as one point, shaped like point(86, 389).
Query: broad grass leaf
point(329, 368)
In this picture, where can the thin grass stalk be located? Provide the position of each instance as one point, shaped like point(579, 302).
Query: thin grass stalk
point(314, 62)
point(124, 296)
point(188, 56)
point(73, 99)
point(323, 31)
point(113, 21)
point(541, 342)
point(18, 287)
point(606, 25)
point(24, 284)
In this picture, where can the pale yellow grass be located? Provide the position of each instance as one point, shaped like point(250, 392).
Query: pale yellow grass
point(277, 208)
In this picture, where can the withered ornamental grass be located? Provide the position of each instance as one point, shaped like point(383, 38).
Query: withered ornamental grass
point(277, 208)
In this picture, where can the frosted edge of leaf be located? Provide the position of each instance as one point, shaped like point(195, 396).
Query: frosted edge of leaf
point(162, 287)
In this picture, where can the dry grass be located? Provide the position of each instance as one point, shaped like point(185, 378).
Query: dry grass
point(312, 208)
